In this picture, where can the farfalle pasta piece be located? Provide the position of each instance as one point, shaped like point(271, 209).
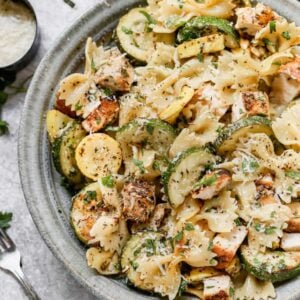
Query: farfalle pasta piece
point(254, 289)
point(105, 262)
point(287, 127)
point(220, 213)
point(279, 35)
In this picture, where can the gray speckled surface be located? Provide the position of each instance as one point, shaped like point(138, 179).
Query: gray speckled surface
point(46, 273)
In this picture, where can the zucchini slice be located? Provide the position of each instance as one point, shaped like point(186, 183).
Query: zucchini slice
point(85, 211)
point(203, 25)
point(230, 135)
point(136, 36)
point(138, 248)
point(272, 266)
point(63, 151)
point(152, 134)
point(56, 122)
point(183, 172)
point(98, 155)
point(206, 44)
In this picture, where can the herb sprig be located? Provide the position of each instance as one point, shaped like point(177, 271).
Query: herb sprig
point(5, 219)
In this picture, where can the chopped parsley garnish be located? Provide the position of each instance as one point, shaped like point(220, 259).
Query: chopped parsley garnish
point(215, 65)
point(127, 30)
point(264, 229)
point(293, 174)
point(189, 227)
point(231, 292)
point(258, 227)
point(78, 106)
point(150, 20)
point(200, 57)
point(156, 165)
point(107, 92)
point(238, 222)
point(267, 42)
point(206, 180)
point(134, 264)
point(117, 266)
point(178, 237)
point(150, 247)
point(286, 35)
point(89, 196)
point(272, 26)
point(139, 164)
point(249, 165)
point(270, 229)
point(108, 181)
point(210, 245)
point(93, 66)
point(5, 219)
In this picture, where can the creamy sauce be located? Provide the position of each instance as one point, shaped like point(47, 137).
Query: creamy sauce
point(17, 31)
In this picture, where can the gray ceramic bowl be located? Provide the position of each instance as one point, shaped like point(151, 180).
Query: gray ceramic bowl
point(49, 203)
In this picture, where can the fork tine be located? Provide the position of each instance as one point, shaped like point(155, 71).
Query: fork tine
point(6, 240)
point(2, 246)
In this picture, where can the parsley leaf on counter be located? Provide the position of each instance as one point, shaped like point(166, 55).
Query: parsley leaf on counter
point(5, 219)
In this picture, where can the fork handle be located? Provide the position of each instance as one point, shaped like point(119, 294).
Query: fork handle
point(18, 273)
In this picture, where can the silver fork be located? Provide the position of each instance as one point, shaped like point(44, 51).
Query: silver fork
point(10, 260)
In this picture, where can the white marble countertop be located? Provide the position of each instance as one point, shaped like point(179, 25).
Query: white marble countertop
point(48, 276)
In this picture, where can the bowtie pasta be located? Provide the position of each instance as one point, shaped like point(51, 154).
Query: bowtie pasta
point(181, 145)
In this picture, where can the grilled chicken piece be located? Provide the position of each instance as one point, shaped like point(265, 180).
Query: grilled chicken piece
point(138, 200)
point(294, 222)
point(217, 288)
point(211, 184)
point(67, 110)
point(225, 245)
point(265, 185)
point(290, 242)
point(106, 113)
point(266, 181)
point(116, 74)
point(160, 212)
point(250, 104)
point(292, 69)
point(251, 19)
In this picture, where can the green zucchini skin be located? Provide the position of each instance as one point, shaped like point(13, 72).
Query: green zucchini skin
point(63, 153)
point(158, 135)
point(273, 265)
point(195, 28)
point(229, 136)
point(85, 211)
point(205, 157)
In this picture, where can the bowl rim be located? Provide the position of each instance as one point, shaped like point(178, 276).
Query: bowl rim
point(25, 169)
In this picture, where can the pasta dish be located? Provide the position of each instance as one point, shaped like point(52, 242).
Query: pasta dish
point(180, 141)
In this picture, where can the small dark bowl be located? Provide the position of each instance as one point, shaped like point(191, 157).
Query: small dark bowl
point(28, 56)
